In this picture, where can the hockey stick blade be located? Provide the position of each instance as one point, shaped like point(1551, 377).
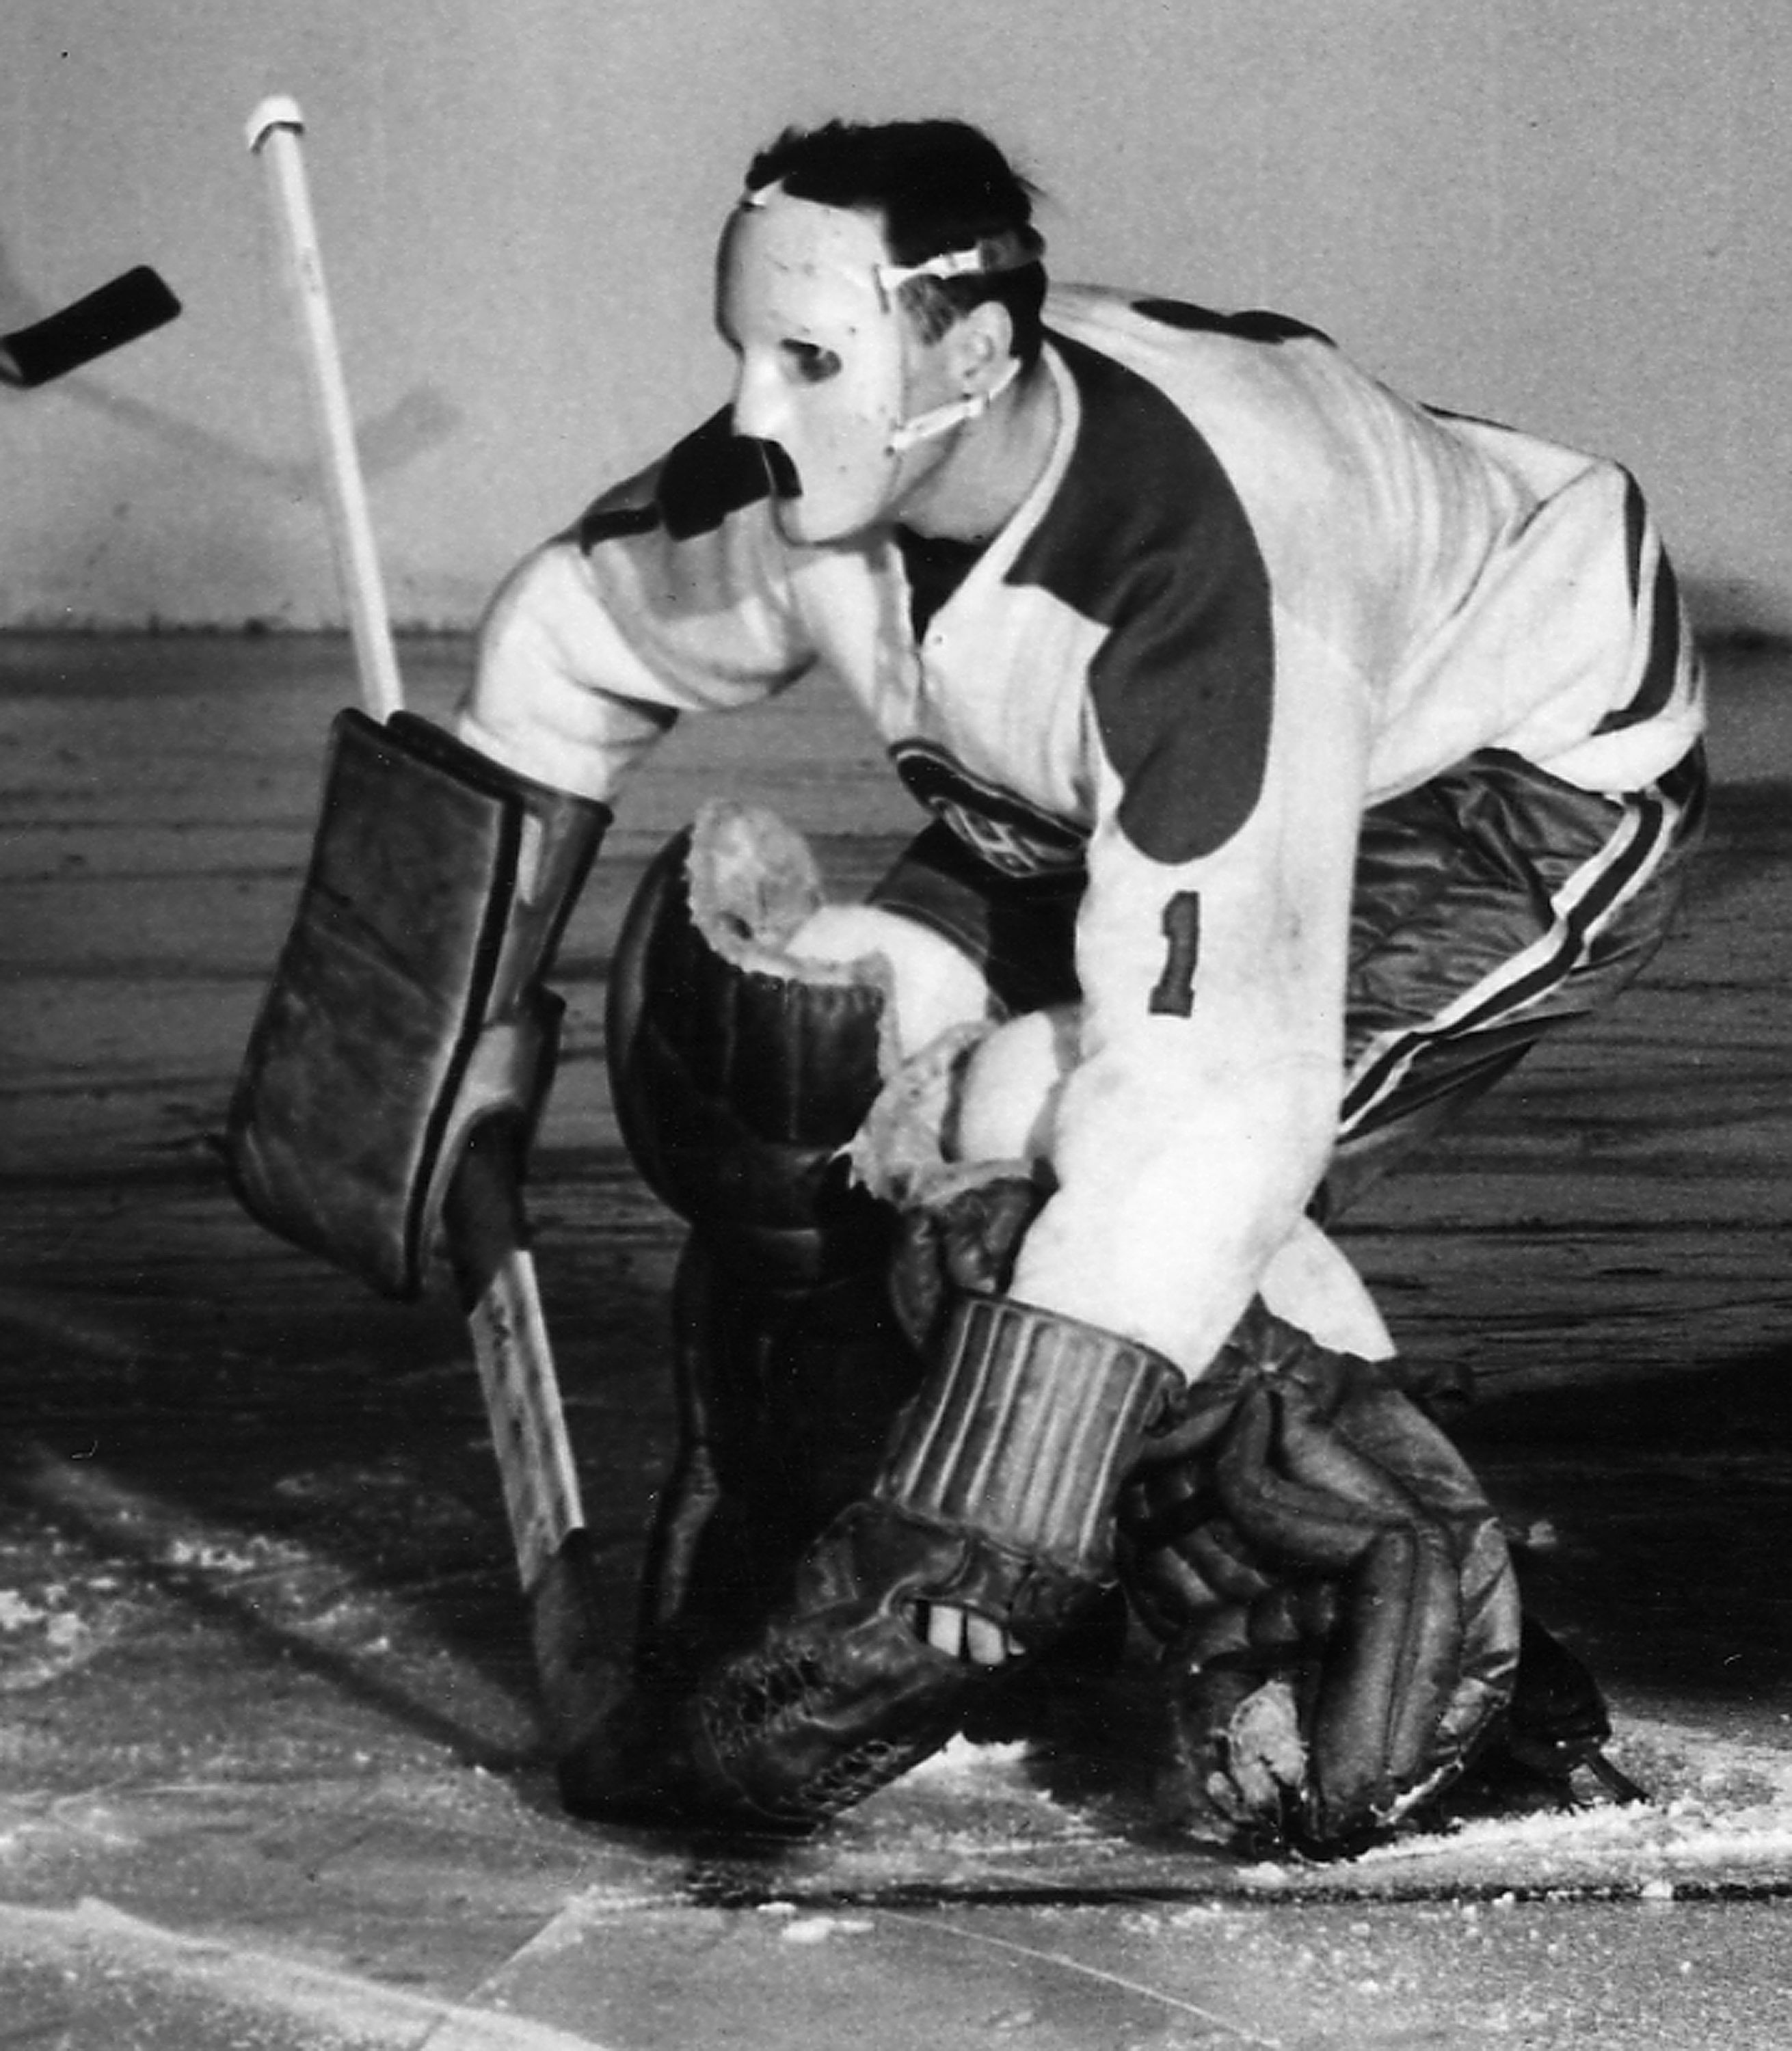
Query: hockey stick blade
point(131, 307)
point(486, 1230)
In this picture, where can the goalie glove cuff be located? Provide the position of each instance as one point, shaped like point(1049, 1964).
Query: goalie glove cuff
point(1025, 1431)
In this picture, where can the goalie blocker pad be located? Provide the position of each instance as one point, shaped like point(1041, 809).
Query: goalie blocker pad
point(739, 1072)
point(406, 1006)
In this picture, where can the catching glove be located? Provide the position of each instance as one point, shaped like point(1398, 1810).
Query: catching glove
point(1340, 1613)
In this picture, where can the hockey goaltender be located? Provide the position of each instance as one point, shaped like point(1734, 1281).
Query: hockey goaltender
point(1297, 757)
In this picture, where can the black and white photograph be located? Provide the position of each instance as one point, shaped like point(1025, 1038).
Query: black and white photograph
point(894, 1146)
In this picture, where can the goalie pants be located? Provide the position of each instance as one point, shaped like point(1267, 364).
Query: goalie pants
point(1492, 905)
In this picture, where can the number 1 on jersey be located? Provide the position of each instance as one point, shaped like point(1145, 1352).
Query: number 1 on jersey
point(1175, 990)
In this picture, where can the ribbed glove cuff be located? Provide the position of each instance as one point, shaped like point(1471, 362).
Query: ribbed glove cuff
point(1026, 1430)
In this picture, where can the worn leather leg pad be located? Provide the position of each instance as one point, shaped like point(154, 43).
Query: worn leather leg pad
point(996, 1497)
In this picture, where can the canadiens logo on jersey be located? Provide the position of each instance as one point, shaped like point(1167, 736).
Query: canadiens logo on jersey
point(1009, 834)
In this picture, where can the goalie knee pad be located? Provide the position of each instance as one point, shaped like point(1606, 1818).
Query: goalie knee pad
point(750, 1028)
point(407, 1006)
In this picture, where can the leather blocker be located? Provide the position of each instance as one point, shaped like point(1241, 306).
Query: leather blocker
point(407, 1005)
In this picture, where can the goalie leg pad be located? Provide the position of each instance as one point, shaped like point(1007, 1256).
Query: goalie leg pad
point(786, 1395)
point(751, 1027)
point(995, 1497)
point(786, 1399)
point(406, 1006)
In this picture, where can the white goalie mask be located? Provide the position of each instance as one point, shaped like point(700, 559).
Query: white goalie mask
point(831, 366)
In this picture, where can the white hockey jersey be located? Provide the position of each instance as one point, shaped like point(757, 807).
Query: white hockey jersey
point(1253, 592)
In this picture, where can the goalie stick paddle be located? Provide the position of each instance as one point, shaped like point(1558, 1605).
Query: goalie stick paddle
point(483, 1213)
point(130, 306)
point(487, 1234)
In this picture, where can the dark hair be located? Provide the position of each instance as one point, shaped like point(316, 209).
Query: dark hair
point(936, 186)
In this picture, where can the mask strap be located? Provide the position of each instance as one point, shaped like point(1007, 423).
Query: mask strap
point(986, 259)
point(942, 419)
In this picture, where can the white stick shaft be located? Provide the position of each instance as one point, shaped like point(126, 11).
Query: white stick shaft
point(274, 132)
point(510, 1343)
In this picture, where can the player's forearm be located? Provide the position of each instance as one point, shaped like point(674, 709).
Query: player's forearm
point(1168, 1211)
point(586, 658)
point(538, 704)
